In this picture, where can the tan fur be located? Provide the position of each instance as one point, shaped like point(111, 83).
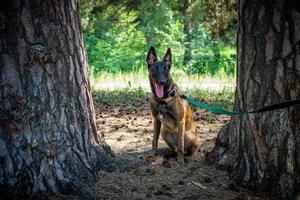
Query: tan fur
point(172, 115)
point(173, 118)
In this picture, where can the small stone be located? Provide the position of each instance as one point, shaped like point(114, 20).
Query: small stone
point(34, 143)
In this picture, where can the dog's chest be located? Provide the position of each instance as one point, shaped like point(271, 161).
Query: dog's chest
point(165, 112)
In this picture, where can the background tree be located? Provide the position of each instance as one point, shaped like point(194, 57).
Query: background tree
point(48, 136)
point(217, 16)
point(187, 31)
point(262, 151)
point(214, 30)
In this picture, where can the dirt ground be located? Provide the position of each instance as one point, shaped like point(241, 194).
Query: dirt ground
point(127, 128)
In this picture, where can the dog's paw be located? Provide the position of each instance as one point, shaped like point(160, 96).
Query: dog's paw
point(180, 160)
point(180, 157)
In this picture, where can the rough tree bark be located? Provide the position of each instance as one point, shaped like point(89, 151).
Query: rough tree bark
point(262, 151)
point(187, 31)
point(48, 136)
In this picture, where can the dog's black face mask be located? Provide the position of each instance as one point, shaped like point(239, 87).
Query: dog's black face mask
point(158, 71)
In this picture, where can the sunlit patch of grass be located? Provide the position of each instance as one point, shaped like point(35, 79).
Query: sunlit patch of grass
point(107, 81)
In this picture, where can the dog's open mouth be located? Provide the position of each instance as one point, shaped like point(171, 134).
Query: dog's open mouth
point(159, 90)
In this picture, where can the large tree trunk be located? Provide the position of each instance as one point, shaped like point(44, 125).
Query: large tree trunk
point(48, 136)
point(188, 34)
point(262, 151)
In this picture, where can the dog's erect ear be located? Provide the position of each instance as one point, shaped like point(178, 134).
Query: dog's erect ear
point(168, 58)
point(151, 57)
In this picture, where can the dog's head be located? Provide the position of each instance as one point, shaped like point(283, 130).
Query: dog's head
point(159, 75)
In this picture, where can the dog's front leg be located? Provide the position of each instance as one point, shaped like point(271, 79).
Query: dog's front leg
point(180, 147)
point(156, 132)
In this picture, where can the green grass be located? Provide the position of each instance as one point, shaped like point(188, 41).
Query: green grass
point(117, 88)
point(113, 97)
point(223, 98)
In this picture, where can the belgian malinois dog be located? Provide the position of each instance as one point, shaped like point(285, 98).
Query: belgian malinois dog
point(172, 115)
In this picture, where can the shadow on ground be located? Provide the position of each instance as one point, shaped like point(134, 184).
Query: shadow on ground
point(127, 128)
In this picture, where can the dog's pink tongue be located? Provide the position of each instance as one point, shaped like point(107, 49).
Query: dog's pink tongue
point(159, 90)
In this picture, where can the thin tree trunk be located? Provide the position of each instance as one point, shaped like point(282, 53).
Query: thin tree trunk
point(188, 34)
point(48, 136)
point(262, 151)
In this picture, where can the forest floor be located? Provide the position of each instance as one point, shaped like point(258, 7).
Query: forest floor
point(126, 125)
point(124, 120)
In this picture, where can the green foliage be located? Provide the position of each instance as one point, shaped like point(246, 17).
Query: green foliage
point(211, 57)
point(162, 28)
point(217, 16)
point(118, 34)
point(119, 47)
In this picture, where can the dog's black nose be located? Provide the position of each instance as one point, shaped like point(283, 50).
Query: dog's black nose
point(162, 82)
